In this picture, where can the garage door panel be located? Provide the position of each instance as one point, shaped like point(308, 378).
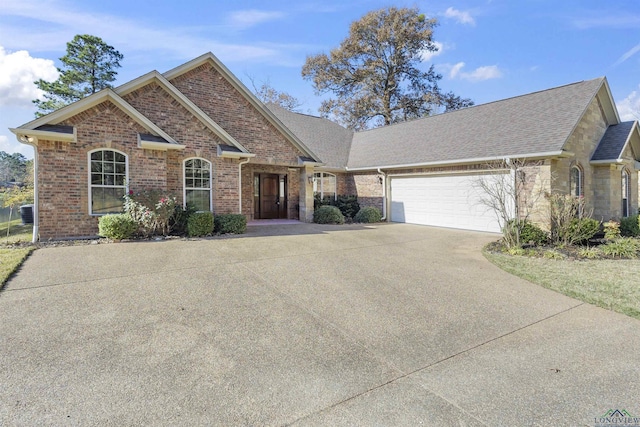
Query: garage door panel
point(443, 201)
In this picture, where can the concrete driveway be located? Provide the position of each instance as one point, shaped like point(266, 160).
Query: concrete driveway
point(304, 325)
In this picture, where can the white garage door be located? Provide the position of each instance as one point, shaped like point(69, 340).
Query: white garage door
point(442, 201)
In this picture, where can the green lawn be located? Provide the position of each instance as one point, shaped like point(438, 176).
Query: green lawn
point(610, 284)
point(11, 255)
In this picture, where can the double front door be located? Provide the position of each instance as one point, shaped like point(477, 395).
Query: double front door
point(270, 196)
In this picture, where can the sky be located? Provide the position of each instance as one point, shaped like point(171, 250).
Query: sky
point(487, 49)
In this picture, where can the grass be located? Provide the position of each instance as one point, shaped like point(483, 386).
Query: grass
point(610, 284)
point(12, 256)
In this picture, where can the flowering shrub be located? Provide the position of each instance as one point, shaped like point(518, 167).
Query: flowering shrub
point(151, 210)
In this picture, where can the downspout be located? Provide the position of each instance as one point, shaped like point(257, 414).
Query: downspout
point(384, 195)
point(240, 163)
point(24, 139)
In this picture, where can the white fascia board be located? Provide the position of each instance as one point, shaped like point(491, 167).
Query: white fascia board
point(41, 134)
point(530, 156)
point(155, 145)
point(235, 155)
point(607, 162)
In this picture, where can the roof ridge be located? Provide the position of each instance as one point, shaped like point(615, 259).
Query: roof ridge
point(480, 105)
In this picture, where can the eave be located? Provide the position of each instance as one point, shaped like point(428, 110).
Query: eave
point(459, 162)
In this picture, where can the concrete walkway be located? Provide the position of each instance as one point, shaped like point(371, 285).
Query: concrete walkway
point(304, 325)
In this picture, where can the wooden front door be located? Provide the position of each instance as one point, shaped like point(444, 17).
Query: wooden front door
point(272, 197)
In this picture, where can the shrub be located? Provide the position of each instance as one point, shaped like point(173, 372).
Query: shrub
point(328, 215)
point(200, 224)
point(582, 229)
point(630, 226)
point(117, 226)
point(626, 247)
point(589, 253)
point(178, 224)
point(230, 224)
point(532, 234)
point(152, 210)
point(368, 214)
point(568, 219)
point(611, 230)
point(551, 254)
point(348, 205)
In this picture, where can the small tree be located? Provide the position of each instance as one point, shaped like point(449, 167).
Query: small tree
point(88, 67)
point(503, 191)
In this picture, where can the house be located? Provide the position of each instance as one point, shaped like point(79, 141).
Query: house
point(196, 131)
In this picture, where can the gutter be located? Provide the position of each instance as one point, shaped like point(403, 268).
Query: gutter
point(560, 153)
point(384, 194)
point(33, 141)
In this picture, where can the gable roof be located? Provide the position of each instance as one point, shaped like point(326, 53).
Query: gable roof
point(328, 139)
point(615, 140)
point(535, 125)
point(244, 92)
point(41, 127)
point(160, 80)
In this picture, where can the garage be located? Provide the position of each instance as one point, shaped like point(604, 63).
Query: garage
point(452, 201)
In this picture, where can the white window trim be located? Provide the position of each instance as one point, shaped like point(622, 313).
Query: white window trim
point(184, 182)
point(321, 185)
point(90, 186)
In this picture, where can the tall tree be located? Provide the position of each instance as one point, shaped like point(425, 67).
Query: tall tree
point(13, 167)
point(376, 73)
point(88, 67)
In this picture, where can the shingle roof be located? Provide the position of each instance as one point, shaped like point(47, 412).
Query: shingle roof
point(539, 122)
point(613, 141)
point(56, 128)
point(325, 138)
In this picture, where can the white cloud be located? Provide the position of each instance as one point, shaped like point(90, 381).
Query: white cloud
point(486, 72)
point(18, 71)
point(629, 108)
point(427, 55)
point(15, 147)
point(248, 18)
point(628, 54)
point(57, 23)
point(462, 16)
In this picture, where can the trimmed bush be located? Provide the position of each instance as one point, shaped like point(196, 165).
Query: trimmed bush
point(179, 220)
point(200, 224)
point(348, 205)
point(230, 224)
point(630, 226)
point(117, 226)
point(368, 214)
point(532, 234)
point(328, 215)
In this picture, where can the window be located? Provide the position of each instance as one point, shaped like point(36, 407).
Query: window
point(625, 193)
point(324, 185)
point(107, 181)
point(575, 181)
point(197, 184)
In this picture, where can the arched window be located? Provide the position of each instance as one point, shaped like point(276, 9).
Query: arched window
point(625, 193)
point(108, 176)
point(324, 185)
point(197, 184)
point(575, 181)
